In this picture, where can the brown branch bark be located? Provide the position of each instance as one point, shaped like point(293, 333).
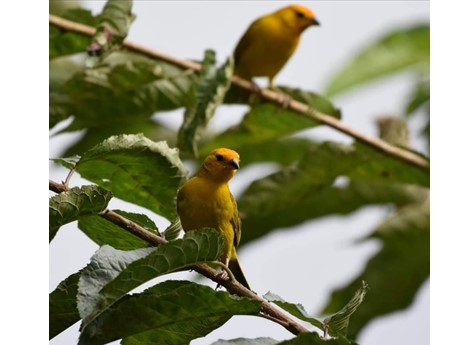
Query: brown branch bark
point(301, 108)
point(233, 287)
point(133, 228)
point(57, 187)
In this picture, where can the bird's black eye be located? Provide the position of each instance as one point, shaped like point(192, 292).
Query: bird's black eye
point(220, 158)
point(299, 14)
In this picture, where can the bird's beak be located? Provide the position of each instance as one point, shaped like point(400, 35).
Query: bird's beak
point(235, 163)
point(314, 21)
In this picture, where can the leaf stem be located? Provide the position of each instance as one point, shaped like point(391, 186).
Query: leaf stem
point(269, 95)
point(69, 175)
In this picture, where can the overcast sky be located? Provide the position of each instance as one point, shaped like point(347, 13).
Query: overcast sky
point(185, 29)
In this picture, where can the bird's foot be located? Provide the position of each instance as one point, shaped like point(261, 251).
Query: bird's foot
point(221, 275)
point(255, 88)
point(283, 99)
point(254, 93)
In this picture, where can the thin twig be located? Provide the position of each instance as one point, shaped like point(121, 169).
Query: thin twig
point(90, 31)
point(269, 95)
point(69, 175)
point(232, 285)
point(57, 187)
point(71, 26)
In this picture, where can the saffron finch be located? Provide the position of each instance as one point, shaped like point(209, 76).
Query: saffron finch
point(205, 200)
point(270, 41)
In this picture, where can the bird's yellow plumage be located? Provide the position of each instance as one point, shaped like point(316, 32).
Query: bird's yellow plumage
point(206, 201)
point(270, 41)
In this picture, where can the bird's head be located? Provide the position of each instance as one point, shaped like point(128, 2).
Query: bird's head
point(297, 17)
point(220, 165)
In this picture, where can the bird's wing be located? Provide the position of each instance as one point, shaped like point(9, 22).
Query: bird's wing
point(236, 223)
point(245, 41)
point(179, 200)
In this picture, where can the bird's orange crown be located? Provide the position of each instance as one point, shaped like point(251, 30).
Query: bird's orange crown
point(307, 12)
point(298, 17)
point(227, 154)
point(221, 164)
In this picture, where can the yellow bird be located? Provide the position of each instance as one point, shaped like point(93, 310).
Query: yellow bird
point(270, 41)
point(205, 200)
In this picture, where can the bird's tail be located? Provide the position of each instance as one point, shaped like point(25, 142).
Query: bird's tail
point(235, 267)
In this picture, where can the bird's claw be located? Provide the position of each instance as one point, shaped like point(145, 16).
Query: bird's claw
point(284, 100)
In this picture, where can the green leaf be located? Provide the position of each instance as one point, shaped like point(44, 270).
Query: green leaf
point(113, 26)
point(170, 313)
point(74, 204)
point(117, 17)
point(94, 135)
point(62, 69)
point(263, 123)
point(62, 42)
point(396, 272)
point(337, 323)
point(136, 170)
point(313, 338)
point(280, 193)
point(175, 333)
point(195, 247)
point(68, 162)
point(305, 190)
point(420, 100)
point(209, 92)
point(105, 265)
point(296, 310)
point(323, 202)
point(266, 122)
point(102, 231)
point(420, 97)
point(380, 167)
point(63, 311)
point(173, 230)
point(399, 50)
point(127, 88)
point(65, 43)
point(81, 15)
point(246, 341)
point(284, 151)
point(58, 8)
point(57, 109)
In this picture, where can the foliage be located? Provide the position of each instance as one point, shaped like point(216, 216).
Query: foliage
point(335, 324)
point(127, 154)
point(402, 50)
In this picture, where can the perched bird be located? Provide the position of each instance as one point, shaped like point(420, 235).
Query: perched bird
point(205, 201)
point(270, 41)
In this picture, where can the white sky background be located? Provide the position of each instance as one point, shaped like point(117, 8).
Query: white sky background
point(316, 264)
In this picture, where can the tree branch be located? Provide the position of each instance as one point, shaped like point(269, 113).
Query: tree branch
point(133, 228)
point(57, 187)
point(232, 286)
point(269, 95)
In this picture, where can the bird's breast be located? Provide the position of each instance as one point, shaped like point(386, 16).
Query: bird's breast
point(202, 205)
point(267, 52)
